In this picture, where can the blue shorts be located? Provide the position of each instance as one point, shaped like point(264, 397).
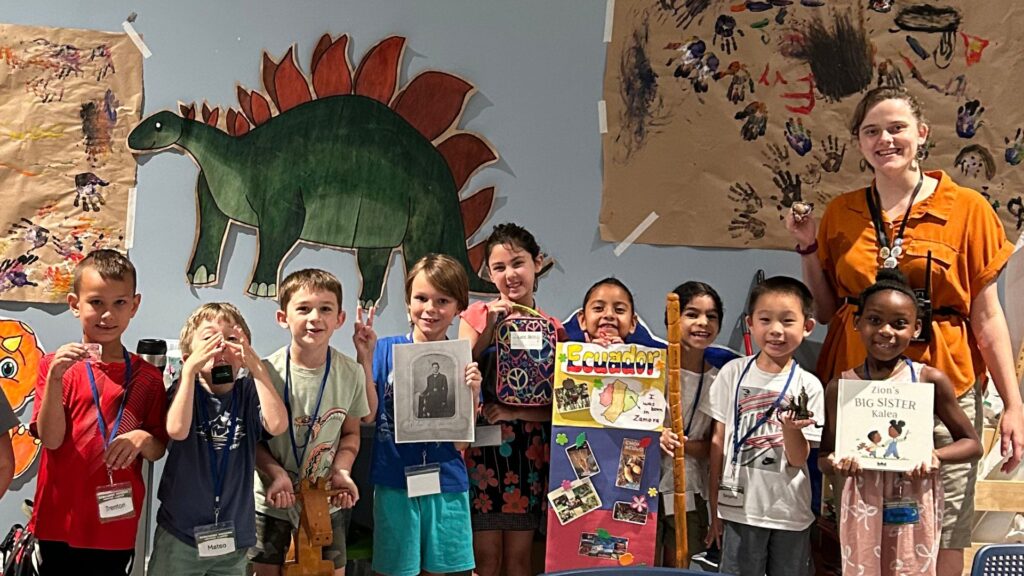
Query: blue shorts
point(431, 533)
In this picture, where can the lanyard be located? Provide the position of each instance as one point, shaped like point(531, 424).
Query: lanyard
point(218, 473)
point(696, 401)
point(737, 443)
point(874, 201)
point(913, 374)
point(100, 420)
point(299, 456)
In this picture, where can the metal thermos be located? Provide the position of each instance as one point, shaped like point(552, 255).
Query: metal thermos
point(154, 351)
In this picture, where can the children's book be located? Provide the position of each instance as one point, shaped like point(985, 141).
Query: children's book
point(887, 425)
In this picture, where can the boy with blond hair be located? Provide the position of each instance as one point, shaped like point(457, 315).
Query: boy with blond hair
point(98, 410)
point(324, 392)
point(206, 520)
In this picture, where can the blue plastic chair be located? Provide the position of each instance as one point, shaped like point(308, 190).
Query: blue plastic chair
point(999, 560)
point(638, 571)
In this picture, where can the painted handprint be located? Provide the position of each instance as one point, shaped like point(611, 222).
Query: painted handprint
point(1014, 148)
point(832, 160)
point(13, 274)
point(1016, 209)
point(789, 191)
point(725, 33)
point(740, 83)
point(968, 119)
point(746, 225)
point(756, 116)
point(87, 193)
point(695, 64)
point(746, 198)
point(30, 232)
point(799, 138)
point(889, 74)
point(776, 157)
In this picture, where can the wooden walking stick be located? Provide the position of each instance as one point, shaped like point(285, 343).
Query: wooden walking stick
point(675, 406)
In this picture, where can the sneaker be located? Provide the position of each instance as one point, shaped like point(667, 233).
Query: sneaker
point(707, 561)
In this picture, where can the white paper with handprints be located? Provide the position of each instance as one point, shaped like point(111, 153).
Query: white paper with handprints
point(68, 99)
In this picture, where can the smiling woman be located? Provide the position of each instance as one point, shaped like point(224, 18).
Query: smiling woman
point(949, 242)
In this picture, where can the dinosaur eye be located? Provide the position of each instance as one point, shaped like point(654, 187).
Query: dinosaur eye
point(8, 368)
point(158, 126)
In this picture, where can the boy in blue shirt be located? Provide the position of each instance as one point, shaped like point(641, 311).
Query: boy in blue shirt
point(206, 520)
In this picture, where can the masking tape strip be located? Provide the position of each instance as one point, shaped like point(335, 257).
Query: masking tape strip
point(130, 31)
point(602, 118)
point(129, 223)
point(640, 229)
point(609, 19)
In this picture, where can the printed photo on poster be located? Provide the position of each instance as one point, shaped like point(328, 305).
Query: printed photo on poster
point(610, 547)
point(572, 396)
point(885, 424)
point(633, 513)
point(432, 401)
point(583, 461)
point(631, 464)
point(572, 503)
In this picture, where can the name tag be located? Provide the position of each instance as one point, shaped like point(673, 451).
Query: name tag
point(115, 502)
point(730, 495)
point(215, 539)
point(488, 436)
point(526, 340)
point(423, 480)
point(899, 512)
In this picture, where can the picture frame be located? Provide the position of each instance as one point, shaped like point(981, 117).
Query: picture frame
point(432, 401)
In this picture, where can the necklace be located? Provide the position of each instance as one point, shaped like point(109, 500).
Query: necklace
point(890, 256)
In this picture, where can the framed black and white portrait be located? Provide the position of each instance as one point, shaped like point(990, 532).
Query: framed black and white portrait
point(432, 401)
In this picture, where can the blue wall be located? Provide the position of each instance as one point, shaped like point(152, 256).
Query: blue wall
point(538, 66)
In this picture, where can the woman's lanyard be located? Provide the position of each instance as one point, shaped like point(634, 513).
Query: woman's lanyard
point(100, 420)
point(913, 373)
point(890, 256)
point(696, 401)
point(737, 442)
point(218, 473)
point(299, 456)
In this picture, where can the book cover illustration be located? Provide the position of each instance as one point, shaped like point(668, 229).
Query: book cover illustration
point(886, 425)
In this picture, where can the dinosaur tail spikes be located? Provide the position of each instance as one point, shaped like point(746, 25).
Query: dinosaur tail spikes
point(477, 256)
point(377, 75)
point(433, 102)
point(321, 46)
point(260, 109)
point(290, 87)
point(187, 111)
point(269, 68)
point(210, 117)
point(244, 101)
point(465, 153)
point(236, 123)
point(475, 210)
point(332, 74)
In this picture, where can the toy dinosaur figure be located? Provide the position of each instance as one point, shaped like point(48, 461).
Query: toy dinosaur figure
point(354, 166)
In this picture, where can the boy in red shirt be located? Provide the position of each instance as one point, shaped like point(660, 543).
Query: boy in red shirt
point(97, 410)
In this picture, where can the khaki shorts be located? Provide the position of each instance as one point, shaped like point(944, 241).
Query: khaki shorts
point(958, 480)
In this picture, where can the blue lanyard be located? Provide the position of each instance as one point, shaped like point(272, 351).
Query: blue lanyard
point(696, 401)
point(913, 373)
point(736, 444)
point(216, 474)
point(299, 456)
point(100, 420)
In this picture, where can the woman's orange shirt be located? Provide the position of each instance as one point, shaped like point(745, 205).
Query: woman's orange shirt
point(969, 249)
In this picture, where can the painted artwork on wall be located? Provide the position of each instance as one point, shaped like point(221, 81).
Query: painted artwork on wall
point(20, 352)
point(334, 157)
point(67, 101)
point(722, 114)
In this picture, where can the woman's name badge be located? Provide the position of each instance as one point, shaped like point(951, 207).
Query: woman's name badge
point(487, 436)
point(215, 539)
point(423, 480)
point(730, 495)
point(900, 512)
point(115, 502)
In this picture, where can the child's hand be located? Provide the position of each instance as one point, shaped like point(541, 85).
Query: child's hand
point(65, 357)
point(802, 228)
point(200, 356)
point(789, 422)
point(845, 466)
point(364, 337)
point(473, 380)
point(281, 492)
point(606, 340)
point(714, 532)
point(498, 310)
point(242, 351)
point(342, 480)
point(496, 412)
point(124, 449)
point(670, 441)
point(925, 469)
